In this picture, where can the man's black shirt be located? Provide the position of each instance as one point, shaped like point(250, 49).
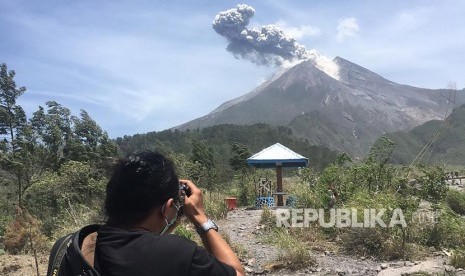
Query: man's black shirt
point(121, 252)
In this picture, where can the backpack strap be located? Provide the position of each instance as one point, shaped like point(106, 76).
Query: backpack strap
point(66, 257)
point(56, 255)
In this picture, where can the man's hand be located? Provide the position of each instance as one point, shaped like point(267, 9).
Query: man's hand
point(193, 205)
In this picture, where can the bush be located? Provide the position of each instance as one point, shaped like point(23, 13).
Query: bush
point(23, 234)
point(215, 206)
point(383, 243)
point(456, 201)
point(387, 243)
point(458, 258)
point(183, 231)
point(55, 194)
point(74, 218)
point(294, 254)
point(433, 186)
point(267, 218)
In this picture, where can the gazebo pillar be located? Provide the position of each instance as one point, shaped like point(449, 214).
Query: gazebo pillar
point(279, 184)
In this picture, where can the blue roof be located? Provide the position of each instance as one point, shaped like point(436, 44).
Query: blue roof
point(277, 155)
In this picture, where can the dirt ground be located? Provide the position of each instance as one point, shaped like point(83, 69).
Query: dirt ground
point(22, 265)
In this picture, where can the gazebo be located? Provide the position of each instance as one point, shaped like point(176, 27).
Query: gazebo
point(277, 156)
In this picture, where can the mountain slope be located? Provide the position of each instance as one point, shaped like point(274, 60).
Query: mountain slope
point(445, 137)
point(346, 112)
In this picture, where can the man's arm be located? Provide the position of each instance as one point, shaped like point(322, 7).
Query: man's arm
point(212, 240)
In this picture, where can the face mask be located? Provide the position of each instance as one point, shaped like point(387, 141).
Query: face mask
point(169, 223)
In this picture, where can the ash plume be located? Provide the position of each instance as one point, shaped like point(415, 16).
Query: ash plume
point(264, 46)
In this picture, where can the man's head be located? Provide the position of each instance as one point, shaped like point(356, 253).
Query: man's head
point(140, 183)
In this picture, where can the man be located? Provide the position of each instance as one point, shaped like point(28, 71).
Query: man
point(143, 203)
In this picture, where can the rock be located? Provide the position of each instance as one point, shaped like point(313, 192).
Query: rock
point(384, 266)
point(449, 268)
point(431, 267)
point(327, 252)
point(408, 263)
point(248, 269)
point(251, 262)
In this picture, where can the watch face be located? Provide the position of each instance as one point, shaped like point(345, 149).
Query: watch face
point(207, 226)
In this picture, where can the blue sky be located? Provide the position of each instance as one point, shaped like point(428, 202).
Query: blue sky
point(139, 66)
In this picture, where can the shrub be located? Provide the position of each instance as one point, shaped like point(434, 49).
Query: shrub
point(433, 186)
point(185, 232)
point(456, 201)
point(215, 206)
point(446, 230)
point(458, 258)
point(74, 218)
point(294, 254)
point(267, 218)
point(23, 234)
point(385, 243)
point(56, 193)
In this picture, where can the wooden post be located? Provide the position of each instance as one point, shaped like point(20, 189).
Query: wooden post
point(279, 186)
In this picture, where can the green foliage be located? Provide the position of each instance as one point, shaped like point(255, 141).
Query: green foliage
point(56, 193)
point(433, 184)
point(456, 201)
point(267, 218)
point(448, 141)
point(183, 231)
point(445, 231)
point(238, 161)
point(221, 137)
point(294, 253)
point(458, 258)
point(215, 206)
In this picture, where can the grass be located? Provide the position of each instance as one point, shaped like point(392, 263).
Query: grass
point(214, 204)
point(458, 258)
point(456, 201)
point(294, 254)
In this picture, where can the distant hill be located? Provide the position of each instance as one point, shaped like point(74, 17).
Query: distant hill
point(447, 148)
point(345, 109)
point(221, 137)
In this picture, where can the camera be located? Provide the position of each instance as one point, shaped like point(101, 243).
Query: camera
point(185, 189)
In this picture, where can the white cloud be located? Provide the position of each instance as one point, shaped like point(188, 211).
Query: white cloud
point(347, 27)
point(298, 32)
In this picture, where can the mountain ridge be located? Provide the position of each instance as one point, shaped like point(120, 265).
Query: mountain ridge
point(346, 111)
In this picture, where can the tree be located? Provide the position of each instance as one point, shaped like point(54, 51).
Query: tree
point(54, 129)
point(12, 116)
point(240, 153)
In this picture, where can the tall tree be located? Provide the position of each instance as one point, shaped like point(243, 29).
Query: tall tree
point(55, 131)
point(12, 117)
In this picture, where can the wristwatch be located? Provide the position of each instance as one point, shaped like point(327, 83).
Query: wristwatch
point(204, 227)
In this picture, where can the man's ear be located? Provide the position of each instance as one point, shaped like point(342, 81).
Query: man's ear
point(168, 206)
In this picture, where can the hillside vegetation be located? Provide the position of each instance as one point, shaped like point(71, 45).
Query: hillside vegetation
point(220, 138)
point(434, 142)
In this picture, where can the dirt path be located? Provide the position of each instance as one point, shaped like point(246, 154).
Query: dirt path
point(243, 228)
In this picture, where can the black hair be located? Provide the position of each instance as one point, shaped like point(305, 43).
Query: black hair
point(139, 183)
